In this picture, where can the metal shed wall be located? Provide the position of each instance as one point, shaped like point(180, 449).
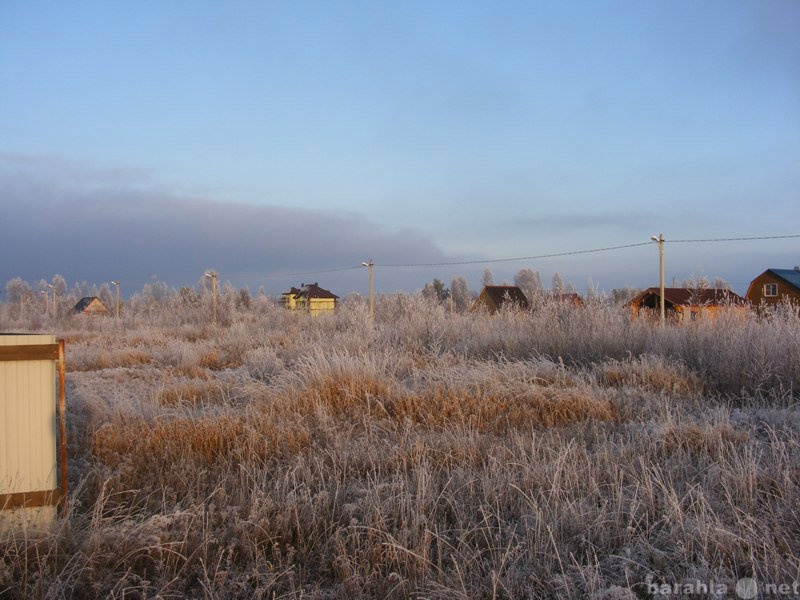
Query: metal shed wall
point(28, 430)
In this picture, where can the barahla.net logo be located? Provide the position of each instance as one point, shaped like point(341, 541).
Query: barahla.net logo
point(746, 588)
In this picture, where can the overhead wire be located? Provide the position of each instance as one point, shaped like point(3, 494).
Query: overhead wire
point(516, 258)
point(499, 260)
point(735, 239)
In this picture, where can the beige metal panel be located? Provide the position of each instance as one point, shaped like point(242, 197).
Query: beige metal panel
point(28, 423)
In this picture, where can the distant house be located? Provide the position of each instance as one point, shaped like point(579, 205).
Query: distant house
point(774, 286)
point(310, 298)
point(494, 297)
point(92, 306)
point(567, 297)
point(686, 303)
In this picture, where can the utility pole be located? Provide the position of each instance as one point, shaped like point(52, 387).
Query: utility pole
point(660, 241)
point(213, 276)
point(116, 310)
point(370, 264)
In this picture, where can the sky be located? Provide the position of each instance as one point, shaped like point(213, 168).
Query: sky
point(143, 140)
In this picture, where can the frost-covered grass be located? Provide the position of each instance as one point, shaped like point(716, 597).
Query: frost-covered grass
point(564, 453)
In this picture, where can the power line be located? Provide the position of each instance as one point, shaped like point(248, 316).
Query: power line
point(516, 258)
point(574, 252)
point(499, 260)
point(735, 239)
point(297, 274)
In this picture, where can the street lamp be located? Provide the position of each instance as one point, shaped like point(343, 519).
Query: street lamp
point(370, 264)
point(116, 312)
point(660, 241)
point(212, 275)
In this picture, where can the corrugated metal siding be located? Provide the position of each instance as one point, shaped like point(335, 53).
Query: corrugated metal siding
point(28, 423)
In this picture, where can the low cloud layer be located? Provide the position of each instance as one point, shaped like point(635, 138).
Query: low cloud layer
point(90, 225)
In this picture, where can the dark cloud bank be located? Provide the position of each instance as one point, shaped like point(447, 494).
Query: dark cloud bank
point(96, 230)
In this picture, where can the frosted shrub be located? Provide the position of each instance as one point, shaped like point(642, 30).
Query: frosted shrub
point(263, 363)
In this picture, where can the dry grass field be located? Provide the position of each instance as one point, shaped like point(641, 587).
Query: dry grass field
point(568, 452)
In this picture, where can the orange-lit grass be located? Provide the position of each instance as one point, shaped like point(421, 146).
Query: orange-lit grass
point(708, 439)
point(203, 440)
point(192, 393)
point(111, 360)
point(536, 407)
point(439, 406)
point(651, 373)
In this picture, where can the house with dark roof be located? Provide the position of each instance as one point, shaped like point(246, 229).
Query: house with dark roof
point(687, 303)
point(494, 297)
point(91, 306)
point(310, 298)
point(775, 286)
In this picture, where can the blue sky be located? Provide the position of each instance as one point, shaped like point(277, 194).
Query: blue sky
point(411, 131)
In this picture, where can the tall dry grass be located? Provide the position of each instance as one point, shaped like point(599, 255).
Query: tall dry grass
point(562, 453)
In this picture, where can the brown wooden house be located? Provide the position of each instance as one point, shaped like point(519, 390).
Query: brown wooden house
point(774, 286)
point(494, 297)
point(92, 306)
point(686, 303)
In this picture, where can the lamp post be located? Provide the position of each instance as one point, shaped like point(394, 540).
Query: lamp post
point(370, 264)
point(213, 276)
point(660, 241)
point(116, 308)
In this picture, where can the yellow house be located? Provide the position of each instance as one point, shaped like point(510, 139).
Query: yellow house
point(310, 298)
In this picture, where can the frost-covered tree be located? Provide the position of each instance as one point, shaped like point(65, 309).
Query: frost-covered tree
point(17, 290)
point(106, 296)
point(459, 291)
point(81, 289)
point(720, 283)
point(187, 298)
point(529, 282)
point(624, 295)
point(435, 291)
point(488, 278)
point(60, 289)
point(697, 280)
point(60, 285)
point(557, 285)
point(19, 293)
point(243, 298)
